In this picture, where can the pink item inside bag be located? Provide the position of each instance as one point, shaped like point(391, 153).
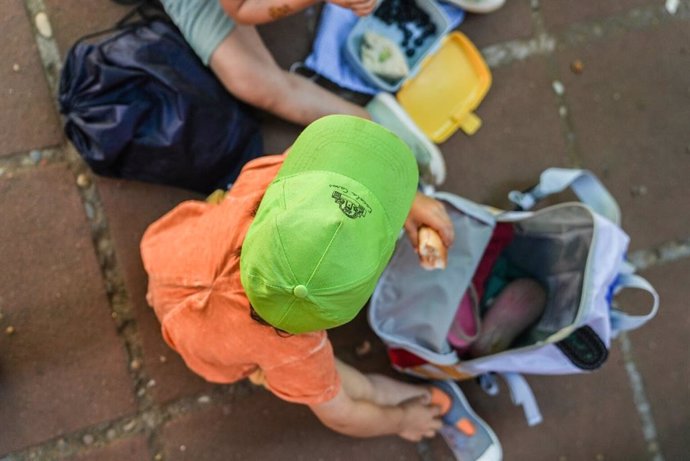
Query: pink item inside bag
point(465, 326)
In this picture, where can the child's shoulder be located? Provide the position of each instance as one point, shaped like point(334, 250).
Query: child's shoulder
point(257, 175)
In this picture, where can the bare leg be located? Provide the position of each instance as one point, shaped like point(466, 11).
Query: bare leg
point(246, 68)
point(379, 389)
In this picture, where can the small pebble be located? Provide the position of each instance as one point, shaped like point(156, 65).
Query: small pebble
point(558, 87)
point(90, 212)
point(16, 67)
point(158, 457)
point(105, 247)
point(129, 426)
point(163, 359)
point(35, 156)
point(151, 383)
point(2, 170)
point(149, 419)
point(83, 181)
point(363, 349)
point(43, 25)
point(577, 66)
point(111, 434)
point(87, 439)
point(562, 111)
point(637, 191)
point(141, 392)
point(183, 448)
point(10, 330)
point(204, 399)
point(135, 364)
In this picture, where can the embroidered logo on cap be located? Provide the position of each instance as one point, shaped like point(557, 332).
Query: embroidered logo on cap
point(352, 205)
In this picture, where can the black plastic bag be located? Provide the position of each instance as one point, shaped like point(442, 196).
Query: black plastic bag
point(140, 104)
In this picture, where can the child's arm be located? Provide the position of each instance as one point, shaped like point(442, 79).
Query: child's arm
point(263, 11)
point(357, 410)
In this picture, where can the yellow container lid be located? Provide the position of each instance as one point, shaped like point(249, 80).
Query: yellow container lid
point(447, 88)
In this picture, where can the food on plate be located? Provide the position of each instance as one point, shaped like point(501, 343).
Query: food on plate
point(433, 254)
point(413, 22)
point(381, 56)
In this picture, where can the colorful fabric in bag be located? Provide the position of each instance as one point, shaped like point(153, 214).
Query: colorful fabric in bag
point(139, 104)
point(465, 326)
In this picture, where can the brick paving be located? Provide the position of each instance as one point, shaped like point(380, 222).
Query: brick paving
point(85, 375)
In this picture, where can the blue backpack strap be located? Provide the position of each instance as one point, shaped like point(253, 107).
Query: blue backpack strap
point(622, 321)
point(583, 183)
point(520, 393)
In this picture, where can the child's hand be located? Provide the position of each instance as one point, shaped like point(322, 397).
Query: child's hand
point(359, 7)
point(427, 211)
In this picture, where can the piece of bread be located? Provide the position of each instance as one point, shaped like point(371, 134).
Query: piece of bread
point(381, 56)
point(433, 254)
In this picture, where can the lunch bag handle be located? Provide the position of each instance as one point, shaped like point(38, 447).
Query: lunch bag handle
point(622, 321)
point(582, 182)
point(520, 393)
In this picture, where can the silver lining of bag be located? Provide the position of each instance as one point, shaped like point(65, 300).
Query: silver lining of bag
point(414, 308)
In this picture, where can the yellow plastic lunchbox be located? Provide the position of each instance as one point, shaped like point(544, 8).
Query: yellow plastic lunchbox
point(446, 89)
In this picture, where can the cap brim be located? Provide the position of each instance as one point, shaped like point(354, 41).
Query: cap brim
point(364, 151)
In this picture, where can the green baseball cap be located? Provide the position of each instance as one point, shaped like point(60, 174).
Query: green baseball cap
point(327, 224)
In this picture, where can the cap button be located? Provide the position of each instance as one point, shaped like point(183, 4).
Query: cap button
point(300, 291)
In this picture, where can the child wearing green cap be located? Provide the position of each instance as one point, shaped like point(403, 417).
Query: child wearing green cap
point(298, 243)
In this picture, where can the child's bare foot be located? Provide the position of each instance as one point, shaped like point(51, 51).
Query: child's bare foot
point(517, 306)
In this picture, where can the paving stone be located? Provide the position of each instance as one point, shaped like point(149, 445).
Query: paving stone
point(521, 135)
point(561, 13)
point(130, 206)
point(512, 21)
point(620, 120)
point(28, 118)
point(660, 352)
point(262, 427)
point(64, 368)
point(134, 449)
point(633, 132)
point(356, 344)
point(72, 19)
point(277, 134)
